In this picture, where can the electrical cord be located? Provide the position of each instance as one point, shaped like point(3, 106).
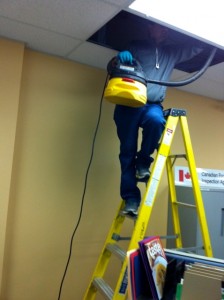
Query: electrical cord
point(84, 192)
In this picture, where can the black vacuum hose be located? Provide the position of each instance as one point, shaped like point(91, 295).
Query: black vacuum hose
point(188, 80)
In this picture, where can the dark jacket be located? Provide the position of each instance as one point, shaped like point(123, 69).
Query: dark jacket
point(158, 64)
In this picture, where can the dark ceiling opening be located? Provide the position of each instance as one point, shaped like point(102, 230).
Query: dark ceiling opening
point(125, 27)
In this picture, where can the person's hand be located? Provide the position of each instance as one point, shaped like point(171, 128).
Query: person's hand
point(125, 57)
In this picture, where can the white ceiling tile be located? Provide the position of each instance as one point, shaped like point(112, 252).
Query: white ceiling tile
point(36, 38)
point(215, 72)
point(121, 3)
point(93, 55)
point(205, 87)
point(210, 84)
point(77, 18)
point(178, 75)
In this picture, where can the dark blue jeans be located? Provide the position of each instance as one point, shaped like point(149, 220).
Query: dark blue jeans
point(128, 121)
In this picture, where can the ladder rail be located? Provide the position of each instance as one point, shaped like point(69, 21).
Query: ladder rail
point(196, 187)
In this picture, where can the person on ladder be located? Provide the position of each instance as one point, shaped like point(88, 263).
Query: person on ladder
point(158, 60)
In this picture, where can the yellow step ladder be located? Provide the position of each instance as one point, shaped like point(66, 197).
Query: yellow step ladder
point(111, 247)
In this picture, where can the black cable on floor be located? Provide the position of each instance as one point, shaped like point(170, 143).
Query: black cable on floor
point(84, 192)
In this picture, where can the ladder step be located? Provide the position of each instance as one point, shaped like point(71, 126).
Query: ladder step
point(175, 236)
point(116, 250)
point(190, 249)
point(128, 238)
point(178, 156)
point(103, 288)
point(185, 204)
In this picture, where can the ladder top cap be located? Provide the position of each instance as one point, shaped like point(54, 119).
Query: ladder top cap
point(175, 112)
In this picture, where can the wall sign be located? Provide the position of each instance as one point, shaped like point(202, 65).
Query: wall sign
point(208, 178)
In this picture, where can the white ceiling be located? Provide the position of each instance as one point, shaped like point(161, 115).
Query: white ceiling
point(62, 27)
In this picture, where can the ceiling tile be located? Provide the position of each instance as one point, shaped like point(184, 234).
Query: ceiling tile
point(93, 55)
point(121, 3)
point(215, 73)
point(209, 85)
point(205, 87)
point(36, 38)
point(178, 75)
point(77, 18)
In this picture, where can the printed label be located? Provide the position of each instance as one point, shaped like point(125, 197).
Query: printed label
point(168, 136)
point(159, 165)
point(127, 68)
point(151, 192)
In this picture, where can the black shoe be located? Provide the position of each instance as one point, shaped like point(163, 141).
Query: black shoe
point(142, 173)
point(130, 208)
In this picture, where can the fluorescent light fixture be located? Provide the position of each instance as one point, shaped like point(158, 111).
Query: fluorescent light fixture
point(201, 19)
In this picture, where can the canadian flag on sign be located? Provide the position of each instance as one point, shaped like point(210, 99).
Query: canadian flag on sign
point(182, 175)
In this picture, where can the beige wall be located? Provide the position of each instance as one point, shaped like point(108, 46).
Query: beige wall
point(41, 198)
point(11, 60)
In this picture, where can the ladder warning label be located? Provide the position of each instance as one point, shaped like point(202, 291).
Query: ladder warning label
point(168, 136)
point(152, 191)
point(160, 162)
point(157, 173)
